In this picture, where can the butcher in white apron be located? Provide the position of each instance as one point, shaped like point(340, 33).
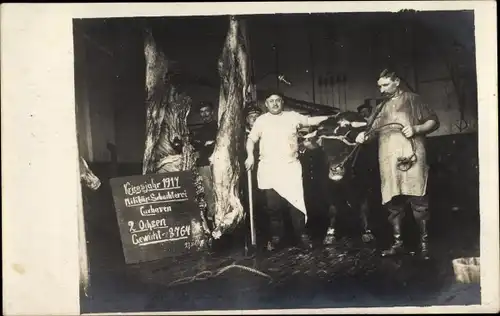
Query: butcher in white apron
point(279, 172)
point(402, 185)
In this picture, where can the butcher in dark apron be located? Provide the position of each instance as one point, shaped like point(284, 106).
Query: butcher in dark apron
point(403, 183)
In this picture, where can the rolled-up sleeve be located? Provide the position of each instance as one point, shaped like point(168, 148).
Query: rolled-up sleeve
point(422, 111)
point(302, 120)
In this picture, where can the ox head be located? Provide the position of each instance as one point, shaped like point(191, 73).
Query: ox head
point(336, 137)
point(87, 177)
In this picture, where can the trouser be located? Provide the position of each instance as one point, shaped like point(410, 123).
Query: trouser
point(348, 193)
point(278, 209)
point(419, 206)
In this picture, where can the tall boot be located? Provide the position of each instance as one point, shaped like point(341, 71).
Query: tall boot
point(424, 240)
point(275, 234)
point(299, 227)
point(397, 247)
point(330, 236)
point(305, 241)
point(330, 233)
point(273, 244)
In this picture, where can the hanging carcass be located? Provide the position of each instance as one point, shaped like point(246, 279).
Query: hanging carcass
point(87, 177)
point(90, 181)
point(226, 158)
point(168, 147)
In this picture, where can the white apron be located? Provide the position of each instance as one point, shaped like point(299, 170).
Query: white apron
point(278, 167)
point(286, 179)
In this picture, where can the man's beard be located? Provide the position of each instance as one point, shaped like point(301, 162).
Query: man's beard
point(389, 95)
point(386, 94)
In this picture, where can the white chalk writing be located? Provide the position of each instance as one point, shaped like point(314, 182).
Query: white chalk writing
point(160, 234)
point(168, 183)
point(159, 197)
point(151, 210)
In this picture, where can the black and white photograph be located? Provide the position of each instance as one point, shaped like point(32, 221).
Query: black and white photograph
point(278, 161)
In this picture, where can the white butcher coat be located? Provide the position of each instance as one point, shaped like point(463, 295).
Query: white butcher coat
point(278, 166)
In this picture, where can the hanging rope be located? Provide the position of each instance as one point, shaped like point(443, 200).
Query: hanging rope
point(207, 274)
point(403, 163)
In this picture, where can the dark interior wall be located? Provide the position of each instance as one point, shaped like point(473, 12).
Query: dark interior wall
point(94, 74)
point(360, 46)
point(100, 80)
point(129, 97)
point(110, 82)
point(109, 67)
point(82, 110)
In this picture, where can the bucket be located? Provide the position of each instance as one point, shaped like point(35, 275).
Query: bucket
point(467, 270)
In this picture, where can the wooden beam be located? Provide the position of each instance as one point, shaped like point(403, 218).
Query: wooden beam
point(435, 80)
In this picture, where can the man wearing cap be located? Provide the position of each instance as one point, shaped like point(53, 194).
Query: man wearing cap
point(365, 110)
point(407, 185)
point(253, 113)
point(279, 172)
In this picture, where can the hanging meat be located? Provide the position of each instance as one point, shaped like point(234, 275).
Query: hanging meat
point(226, 159)
point(168, 146)
point(167, 112)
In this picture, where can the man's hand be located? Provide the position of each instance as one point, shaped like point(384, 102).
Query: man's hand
point(209, 142)
point(361, 138)
point(409, 131)
point(249, 162)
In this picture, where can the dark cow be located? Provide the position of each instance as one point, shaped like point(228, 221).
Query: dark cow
point(330, 149)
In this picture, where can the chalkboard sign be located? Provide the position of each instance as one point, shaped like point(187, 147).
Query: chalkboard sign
point(157, 215)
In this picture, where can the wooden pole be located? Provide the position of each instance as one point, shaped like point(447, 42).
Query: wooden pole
point(415, 52)
point(250, 206)
point(276, 57)
point(339, 89)
point(82, 242)
point(277, 65)
point(311, 52)
point(254, 99)
point(331, 80)
point(344, 82)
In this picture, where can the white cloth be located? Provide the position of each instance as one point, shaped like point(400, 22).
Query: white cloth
point(279, 167)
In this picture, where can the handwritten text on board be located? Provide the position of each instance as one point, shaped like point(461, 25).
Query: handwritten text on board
point(156, 215)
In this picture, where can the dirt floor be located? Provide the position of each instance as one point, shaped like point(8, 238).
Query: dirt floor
point(349, 273)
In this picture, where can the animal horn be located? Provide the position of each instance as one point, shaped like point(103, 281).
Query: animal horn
point(312, 134)
point(358, 124)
